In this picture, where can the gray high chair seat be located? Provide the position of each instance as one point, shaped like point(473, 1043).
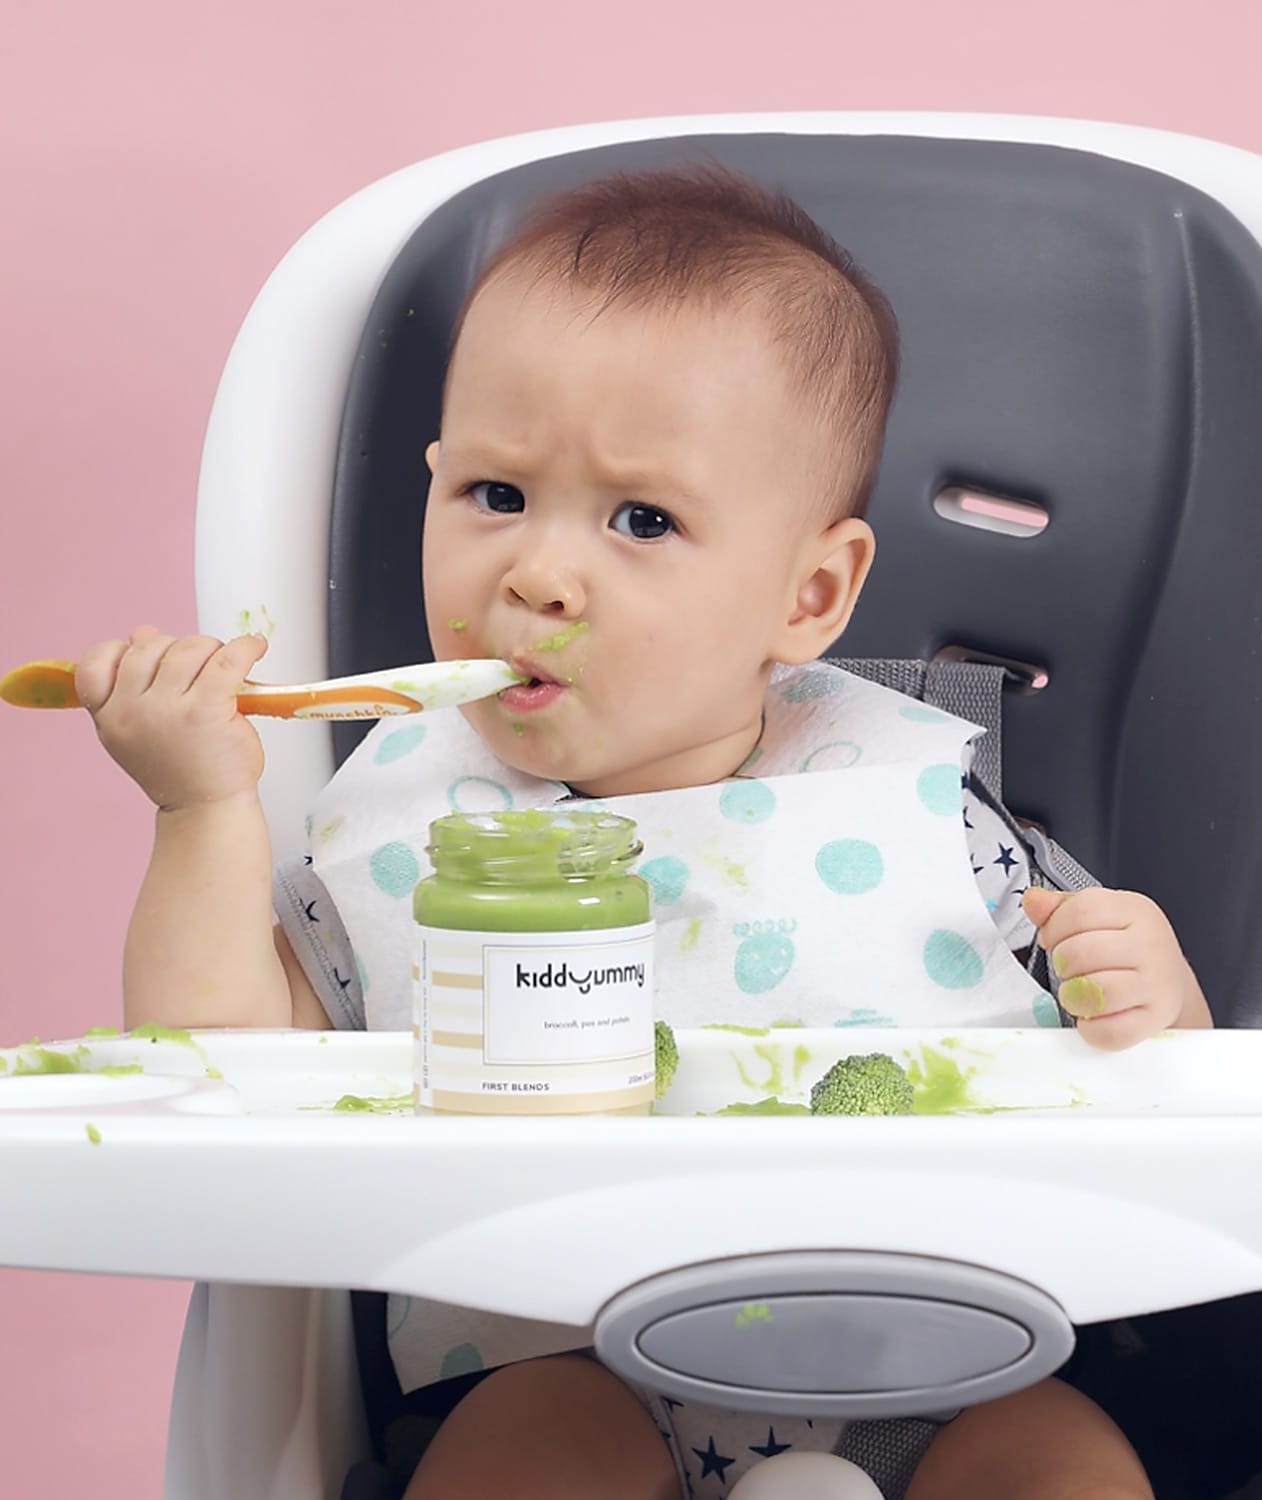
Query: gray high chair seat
point(1080, 335)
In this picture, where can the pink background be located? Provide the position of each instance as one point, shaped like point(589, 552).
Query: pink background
point(156, 160)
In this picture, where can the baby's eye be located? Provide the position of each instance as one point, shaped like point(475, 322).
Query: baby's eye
point(643, 522)
point(502, 499)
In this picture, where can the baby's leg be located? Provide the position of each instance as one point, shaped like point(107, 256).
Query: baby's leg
point(1045, 1443)
point(547, 1429)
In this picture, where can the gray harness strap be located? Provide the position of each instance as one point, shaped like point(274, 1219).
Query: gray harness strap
point(974, 691)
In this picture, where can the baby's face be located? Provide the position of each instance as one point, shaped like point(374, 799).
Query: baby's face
point(620, 507)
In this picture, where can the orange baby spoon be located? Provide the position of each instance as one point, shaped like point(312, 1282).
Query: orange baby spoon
point(371, 695)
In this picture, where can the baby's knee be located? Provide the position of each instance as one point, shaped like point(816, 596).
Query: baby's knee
point(552, 1427)
point(1047, 1442)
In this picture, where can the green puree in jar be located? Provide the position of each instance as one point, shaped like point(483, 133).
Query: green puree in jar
point(534, 981)
point(532, 872)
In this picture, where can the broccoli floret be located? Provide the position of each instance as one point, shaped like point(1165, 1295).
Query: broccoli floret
point(666, 1058)
point(871, 1085)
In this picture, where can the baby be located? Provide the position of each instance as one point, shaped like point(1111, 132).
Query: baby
point(661, 425)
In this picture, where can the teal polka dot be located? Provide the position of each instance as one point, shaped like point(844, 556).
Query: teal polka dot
point(837, 755)
point(476, 794)
point(394, 869)
point(938, 787)
point(1046, 1011)
point(762, 961)
point(464, 1359)
point(850, 866)
point(865, 1017)
point(826, 683)
point(921, 713)
point(395, 746)
point(952, 961)
point(668, 877)
point(747, 801)
point(405, 1307)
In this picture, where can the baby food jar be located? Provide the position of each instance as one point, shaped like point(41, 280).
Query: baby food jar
point(534, 967)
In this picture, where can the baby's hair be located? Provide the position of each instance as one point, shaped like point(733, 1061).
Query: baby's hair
point(703, 233)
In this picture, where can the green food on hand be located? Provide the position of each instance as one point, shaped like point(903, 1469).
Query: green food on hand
point(666, 1056)
point(869, 1085)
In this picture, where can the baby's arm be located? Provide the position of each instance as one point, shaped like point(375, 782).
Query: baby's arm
point(200, 949)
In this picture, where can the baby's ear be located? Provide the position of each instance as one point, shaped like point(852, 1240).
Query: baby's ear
point(431, 456)
point(834, 566)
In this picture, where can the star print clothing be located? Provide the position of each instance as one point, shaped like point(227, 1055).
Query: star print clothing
point(712, 1449)
point(828, 884)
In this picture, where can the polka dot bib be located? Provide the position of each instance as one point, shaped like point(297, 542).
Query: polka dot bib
point(829, 884)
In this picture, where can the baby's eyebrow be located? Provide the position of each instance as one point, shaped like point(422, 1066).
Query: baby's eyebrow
point(636, 482)
point(486, 457)
point(492, 460)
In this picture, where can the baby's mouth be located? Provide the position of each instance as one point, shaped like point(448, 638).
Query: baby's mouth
point(537, 689)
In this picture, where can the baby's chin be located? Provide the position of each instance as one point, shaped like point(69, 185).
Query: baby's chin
point(533, 749)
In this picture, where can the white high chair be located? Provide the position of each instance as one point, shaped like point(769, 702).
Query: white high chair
point(274, 1213)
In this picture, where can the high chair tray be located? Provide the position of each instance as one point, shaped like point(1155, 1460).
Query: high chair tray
point(1117, 1183)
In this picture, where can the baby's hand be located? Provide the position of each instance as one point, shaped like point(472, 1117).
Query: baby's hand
point(166, 710)
point(1123, 975)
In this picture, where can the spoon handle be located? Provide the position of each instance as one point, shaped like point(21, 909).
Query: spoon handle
point(370, 695)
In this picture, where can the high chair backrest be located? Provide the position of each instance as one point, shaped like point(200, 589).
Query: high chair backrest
point(1082, 344)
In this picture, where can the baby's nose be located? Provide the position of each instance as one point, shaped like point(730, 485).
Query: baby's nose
point(547, 587)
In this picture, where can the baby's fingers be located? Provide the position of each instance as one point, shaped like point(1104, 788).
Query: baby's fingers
point(97, 672)
point(1094, 953)
point(223, 672)
point(1096, 909)
point(1109, 1008)
point(139, 666)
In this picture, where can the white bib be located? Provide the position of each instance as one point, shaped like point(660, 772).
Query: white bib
point(829, 882)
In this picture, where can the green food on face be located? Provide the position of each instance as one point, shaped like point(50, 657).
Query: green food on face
point(381, 1104)
point(562, 638)
point(870, 1085)
point(769, 1106)
point(665, 1056)
point(457, 625)
point(93, 1134)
